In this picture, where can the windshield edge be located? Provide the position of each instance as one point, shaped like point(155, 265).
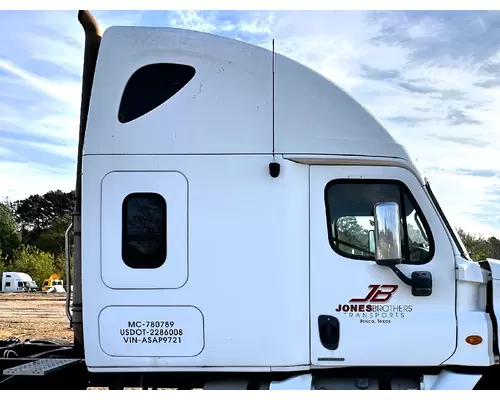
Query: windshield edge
point(453, 233)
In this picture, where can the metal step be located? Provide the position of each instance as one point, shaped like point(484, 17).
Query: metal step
point(41, 367)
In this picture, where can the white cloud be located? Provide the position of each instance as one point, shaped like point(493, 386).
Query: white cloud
point(18, 180)
point(63, 91)
point(423, 75)
point(433, 106)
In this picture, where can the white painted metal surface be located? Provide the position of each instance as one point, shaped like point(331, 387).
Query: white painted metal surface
point(448, 380)
point(472, 318)
point(335, 279)
point(248, 263)
point(227, 106)
point(173, 187)
point(248, 266)
point(299, 382)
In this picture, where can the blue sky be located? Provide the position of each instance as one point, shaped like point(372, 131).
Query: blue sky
point(432, 78)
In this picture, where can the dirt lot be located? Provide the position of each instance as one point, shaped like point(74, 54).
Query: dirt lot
point(34, 316)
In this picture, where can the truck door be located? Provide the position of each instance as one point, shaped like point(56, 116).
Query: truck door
point(361, 313)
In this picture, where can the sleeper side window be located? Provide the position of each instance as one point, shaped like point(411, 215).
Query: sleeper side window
point(151, 86)
point(144, 230)
point(349, 208)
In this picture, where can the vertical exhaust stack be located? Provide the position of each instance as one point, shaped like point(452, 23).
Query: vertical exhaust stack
point(93, 36)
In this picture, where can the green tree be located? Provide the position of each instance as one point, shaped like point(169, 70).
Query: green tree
point(60, 265)
point(37, 213)
point(494, 248)
point(36, 263)
point(350, 231)
point(10, 237)
point(3, 266)
point(51, 239)
point(478, 247)
point(415, 234)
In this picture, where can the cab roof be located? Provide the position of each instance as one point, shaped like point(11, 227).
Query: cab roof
point(175, 91)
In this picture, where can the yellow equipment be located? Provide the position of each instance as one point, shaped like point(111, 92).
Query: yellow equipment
point(52, 281)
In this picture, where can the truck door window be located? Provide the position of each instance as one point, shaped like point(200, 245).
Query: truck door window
point(144, 241)
point(349, 208)
point(19, 284)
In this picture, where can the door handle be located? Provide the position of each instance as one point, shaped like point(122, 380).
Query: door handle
point(329, 331)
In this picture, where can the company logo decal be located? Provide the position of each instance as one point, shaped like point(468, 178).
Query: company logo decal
point(374, 307)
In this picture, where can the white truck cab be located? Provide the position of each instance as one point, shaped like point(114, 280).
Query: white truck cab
point(16, 282)
point(243, 214)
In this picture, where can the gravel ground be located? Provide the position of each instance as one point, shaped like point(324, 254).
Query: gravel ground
point(34, 316)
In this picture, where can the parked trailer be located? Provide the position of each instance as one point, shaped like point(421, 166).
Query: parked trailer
point(243, 223)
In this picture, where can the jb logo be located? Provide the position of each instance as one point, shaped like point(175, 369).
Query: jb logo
point(377, 294)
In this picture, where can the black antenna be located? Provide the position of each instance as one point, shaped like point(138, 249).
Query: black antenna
point(274, 167)
point(274, 71)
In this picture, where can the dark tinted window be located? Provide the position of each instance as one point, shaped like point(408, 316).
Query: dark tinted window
point(151, 86)
point(7, 284)
point(144, 236)
point(349, 207)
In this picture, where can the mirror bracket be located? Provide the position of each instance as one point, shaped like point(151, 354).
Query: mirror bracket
point(420, 281)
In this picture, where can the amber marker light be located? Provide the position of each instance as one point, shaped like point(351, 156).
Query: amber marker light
point(474, 339)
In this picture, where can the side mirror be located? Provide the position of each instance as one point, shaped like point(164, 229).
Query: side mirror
point(387, 234)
